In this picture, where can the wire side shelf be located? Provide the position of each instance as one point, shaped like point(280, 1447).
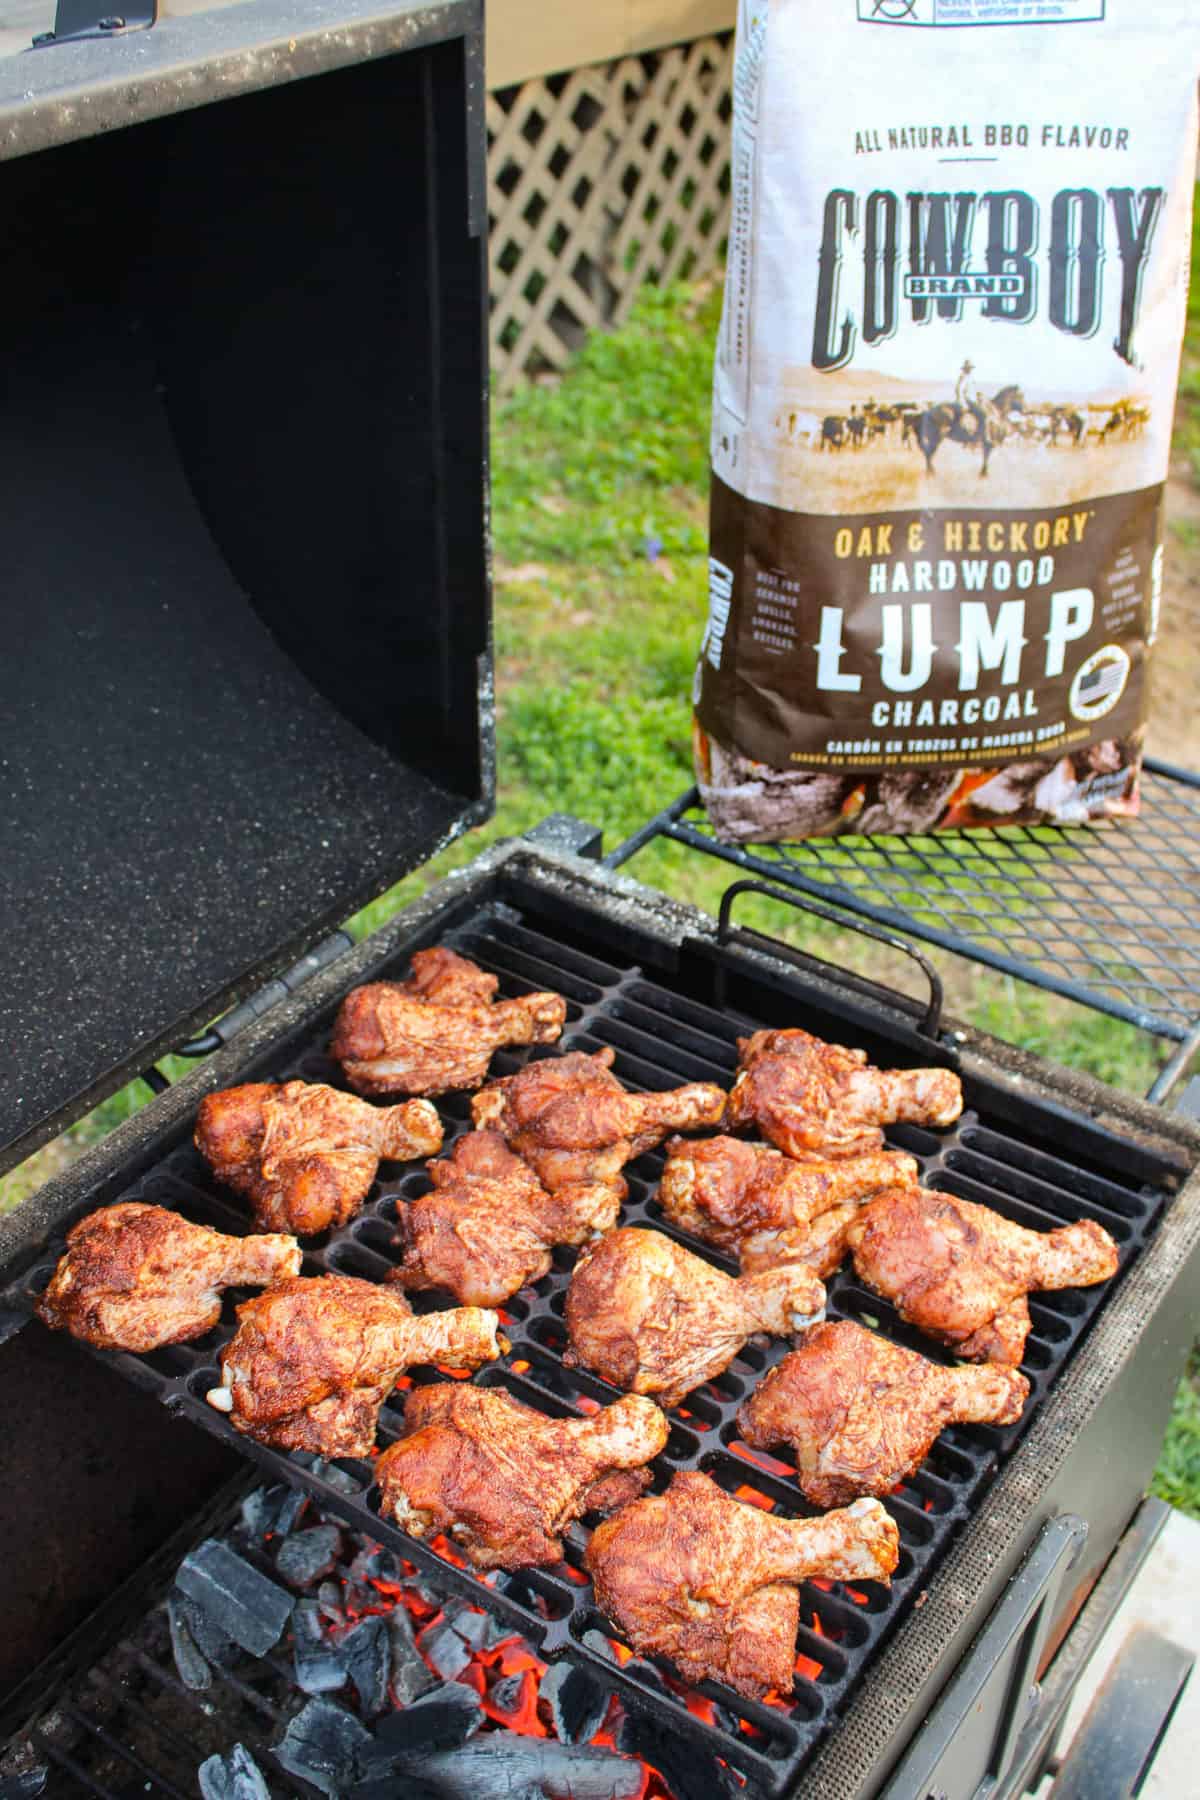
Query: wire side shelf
point(1107, 914)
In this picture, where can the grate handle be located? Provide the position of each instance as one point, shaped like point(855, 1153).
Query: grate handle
point(930, 1025)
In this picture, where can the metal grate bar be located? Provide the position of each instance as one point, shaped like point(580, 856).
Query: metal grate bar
point(1106, 915)
point(156, 1782)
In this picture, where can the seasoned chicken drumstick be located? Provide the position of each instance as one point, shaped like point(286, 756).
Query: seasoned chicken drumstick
point(816, 1099)
point(313, 1360)
point(503, 1480)
point(862, 1414)
point(695, 1575)
point(572, 1121)
point(961, 1272)
point(303, 1154)
point(766, 1208)
point(136, 1277)
point(648, 1316)
point(438, 1029)
point(490, 1226)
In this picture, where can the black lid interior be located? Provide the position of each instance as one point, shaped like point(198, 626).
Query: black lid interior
point(242, 502)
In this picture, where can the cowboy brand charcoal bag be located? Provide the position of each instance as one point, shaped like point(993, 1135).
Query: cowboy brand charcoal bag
point(945, 376)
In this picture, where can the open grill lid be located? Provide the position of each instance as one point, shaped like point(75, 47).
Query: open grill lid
point(243, 487)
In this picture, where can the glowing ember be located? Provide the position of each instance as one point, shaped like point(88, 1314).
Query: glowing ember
point(754, 1498)
point(810, 1670)
point(858, 1598)
point(520, 1366)
point(586, 1404)
point(760, 1459)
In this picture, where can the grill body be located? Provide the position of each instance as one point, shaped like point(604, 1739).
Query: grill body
point(642, 975)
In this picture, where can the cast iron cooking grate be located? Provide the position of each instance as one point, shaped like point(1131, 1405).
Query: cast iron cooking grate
point(1043, 1173)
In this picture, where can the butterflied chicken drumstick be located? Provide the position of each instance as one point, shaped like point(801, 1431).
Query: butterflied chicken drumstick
point(810, 1098)
point(503, 1480)
point(697, 1576)
point(313, 1360)
point(490, 1226)
point(961, 1272)
point(437, 1030)
point(862, 1414)
point(572, 1121)
point(648, 1316)
point(137, 1277)
point(760, 1205)
point(305, 1155)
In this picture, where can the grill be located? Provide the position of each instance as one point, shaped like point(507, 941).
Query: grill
point(259, 652)
point(1036, 1161)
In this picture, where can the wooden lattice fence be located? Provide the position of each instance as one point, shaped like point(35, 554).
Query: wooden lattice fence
point(600, 180)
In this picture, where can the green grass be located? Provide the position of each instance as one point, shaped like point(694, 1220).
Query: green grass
point(599, 507)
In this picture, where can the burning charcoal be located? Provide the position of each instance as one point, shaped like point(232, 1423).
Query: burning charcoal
point(683, 1765)
point(307, 1555)
point(319, 1664)
point(471, 1625)
point(328, 1472)
point(371, 1564)
point(233, 1777)
point(238, 1600)
point(366, 1653)
point(209, 1639)
point(503, 1766)
point(506, 1693)
point(329, 1597)
point(439, 1722)
point(577, 1702)
point(322, 1745)
point(411, 1675)
point(194, 1671)
point(441, 1645)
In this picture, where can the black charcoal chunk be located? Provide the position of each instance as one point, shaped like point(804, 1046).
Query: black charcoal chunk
point(249, 1608)
point(322, 1745)
point(25, 1786)
point(411, 1674)
point(319, 1664)
point(260, 1510)
point(290, 1509)
point(686, 1767)
point(441, 1646)
point(306, 1556)
point(578, 1702)
point(367, 1655)
point(596, 1640)
point(336, 1478)
point(235, 1776)
point(503, 1766)
point(522, 1593)
point(330, 1596)
point(192, 1667)
point(210, 1640)
point(438, 1722)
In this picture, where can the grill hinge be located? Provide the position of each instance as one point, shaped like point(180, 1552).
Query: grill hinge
point(262, 1000)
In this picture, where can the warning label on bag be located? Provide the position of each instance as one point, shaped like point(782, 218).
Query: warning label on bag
point(978, 12)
